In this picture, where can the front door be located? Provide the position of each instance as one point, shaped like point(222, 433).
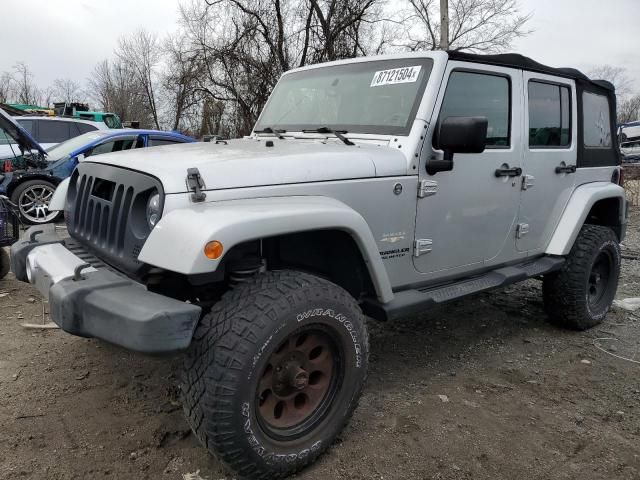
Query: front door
point(549, 158)
point(470, 219)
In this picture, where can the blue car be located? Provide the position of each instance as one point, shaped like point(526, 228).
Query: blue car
point(31, 178)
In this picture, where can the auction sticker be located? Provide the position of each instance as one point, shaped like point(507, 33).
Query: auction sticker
point(396, 75)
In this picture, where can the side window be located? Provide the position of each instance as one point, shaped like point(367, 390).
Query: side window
point(27, 125)
point(472, 94)
point(52, 131)
point(549, 115)
point(73, 129)
point(112, 146)
point(85, 127)
point(158, 142)
point(5, 138)
point(596, 120)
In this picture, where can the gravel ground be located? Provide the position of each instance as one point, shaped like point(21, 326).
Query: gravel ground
point(482, 389)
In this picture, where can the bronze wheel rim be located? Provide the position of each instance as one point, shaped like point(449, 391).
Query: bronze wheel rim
point(298, 382)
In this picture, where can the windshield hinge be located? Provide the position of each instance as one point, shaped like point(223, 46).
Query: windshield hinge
point(195, 183)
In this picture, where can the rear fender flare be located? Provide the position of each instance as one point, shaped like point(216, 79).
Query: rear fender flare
point(575, 213)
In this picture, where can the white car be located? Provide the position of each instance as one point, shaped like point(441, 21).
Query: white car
point(48, 132)
point(629, 131)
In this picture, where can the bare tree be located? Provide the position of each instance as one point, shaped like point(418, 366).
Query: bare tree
point(618, 76)
point(180, 79)
point(487, 26)
point(141, 54)
point(47, 96)
point(245, 45)
point(26, 90)
point(112, 85)
point(66, 90)
point(7, 87)
point(629, 109)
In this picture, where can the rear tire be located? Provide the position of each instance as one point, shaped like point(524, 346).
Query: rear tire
point(581, 293)
point(274, 372)
point(4, 263)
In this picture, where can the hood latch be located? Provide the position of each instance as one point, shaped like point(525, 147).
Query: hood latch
point(195, 183)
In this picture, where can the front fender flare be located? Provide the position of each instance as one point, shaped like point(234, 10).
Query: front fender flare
point(59, 196)
point(177, 242)
point(575, 213)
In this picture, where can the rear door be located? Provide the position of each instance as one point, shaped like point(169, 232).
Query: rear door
point(549, 158)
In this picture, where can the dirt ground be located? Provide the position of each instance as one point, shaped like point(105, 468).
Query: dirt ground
point(482, 389)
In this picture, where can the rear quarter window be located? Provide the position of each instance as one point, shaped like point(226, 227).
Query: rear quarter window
point(596, 120)
point(85, 127)
point(158, 142)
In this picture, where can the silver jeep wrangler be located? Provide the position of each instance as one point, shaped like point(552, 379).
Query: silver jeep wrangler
point(379, 186)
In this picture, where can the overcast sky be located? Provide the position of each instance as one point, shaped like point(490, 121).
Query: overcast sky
point(66, 38)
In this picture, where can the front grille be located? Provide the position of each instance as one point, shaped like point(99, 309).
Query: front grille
point(83, 253)
point(106, 212)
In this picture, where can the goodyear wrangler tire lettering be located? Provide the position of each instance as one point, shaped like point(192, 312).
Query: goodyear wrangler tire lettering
point(274, 372)
point(340, 318)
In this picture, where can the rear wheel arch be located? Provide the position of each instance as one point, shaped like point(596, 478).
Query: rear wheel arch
point(607, 212)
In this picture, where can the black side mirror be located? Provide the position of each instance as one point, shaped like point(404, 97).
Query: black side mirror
point(458, 135)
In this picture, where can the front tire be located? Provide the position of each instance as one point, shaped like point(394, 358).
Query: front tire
point(581, 293)
point(274, 372)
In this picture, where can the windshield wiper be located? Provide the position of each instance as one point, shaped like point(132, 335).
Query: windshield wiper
point(274, 131)
point(337, 133)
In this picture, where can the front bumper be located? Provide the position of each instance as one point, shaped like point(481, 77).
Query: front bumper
point(97, 302)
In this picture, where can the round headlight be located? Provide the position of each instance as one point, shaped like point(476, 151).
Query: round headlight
point(153, 210)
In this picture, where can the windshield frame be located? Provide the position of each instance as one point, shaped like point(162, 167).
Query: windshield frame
point(427, 64)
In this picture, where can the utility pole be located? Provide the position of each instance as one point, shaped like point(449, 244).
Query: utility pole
point(444, 24)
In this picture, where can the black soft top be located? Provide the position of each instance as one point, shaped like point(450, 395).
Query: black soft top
point(515, 60)
point(586, 156)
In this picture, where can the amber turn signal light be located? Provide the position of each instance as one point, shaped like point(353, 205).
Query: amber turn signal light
point(213, 250)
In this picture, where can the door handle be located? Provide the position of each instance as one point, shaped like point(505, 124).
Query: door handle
point(566, 169)
point(505, 171)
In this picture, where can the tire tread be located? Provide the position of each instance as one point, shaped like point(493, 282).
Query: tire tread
point(232, 329)
point(564, 291)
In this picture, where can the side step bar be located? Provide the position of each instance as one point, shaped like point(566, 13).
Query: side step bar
point(410, 302)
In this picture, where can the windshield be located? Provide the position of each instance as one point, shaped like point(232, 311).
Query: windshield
point(367, 97)
point(66, 148)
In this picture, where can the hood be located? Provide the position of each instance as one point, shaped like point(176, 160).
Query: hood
point(249, 162)
point(24, 140)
